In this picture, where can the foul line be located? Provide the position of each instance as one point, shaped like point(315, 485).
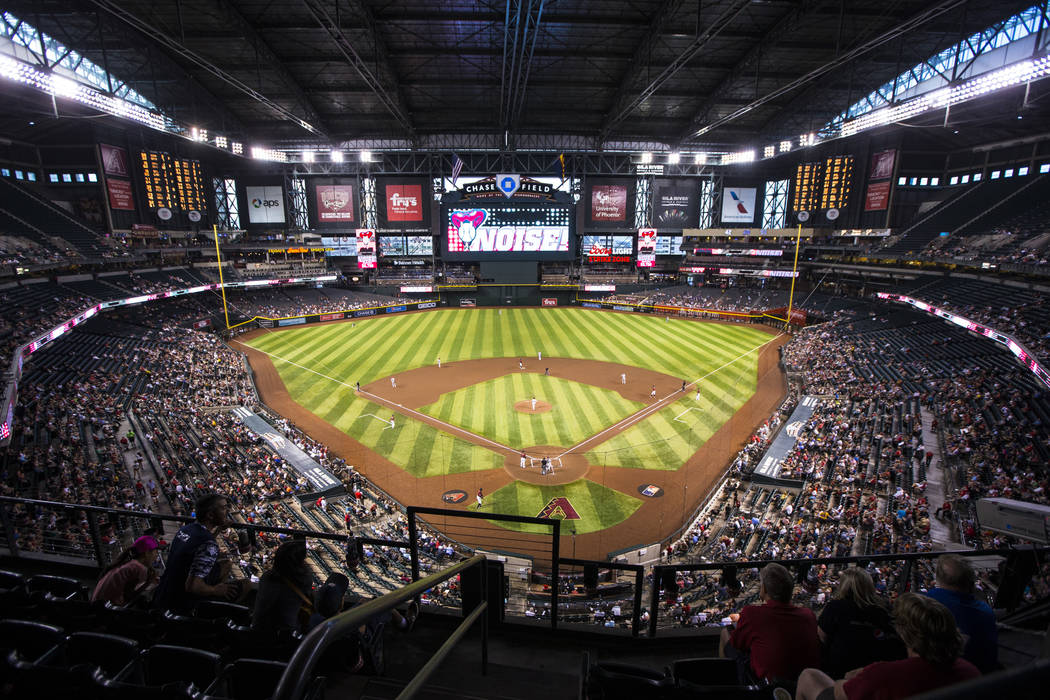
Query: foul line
point(390, 404)
point(685, 412)
point(662, 403)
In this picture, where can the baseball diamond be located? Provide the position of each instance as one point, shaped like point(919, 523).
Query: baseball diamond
point(464, 425)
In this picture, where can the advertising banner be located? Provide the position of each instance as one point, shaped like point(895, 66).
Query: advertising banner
point(114, 160)
point(738, 205)
point(878, 196)
point(291, 321)
point(427, 305)
point(404, 202)
point(609, 203)
point(335, 203)
point(646, 247)
point(366, 249)
point(265, 204)
point(675, 204)
point(547, 301)
point(882, 165)
point(331, 317)
point(120, 196)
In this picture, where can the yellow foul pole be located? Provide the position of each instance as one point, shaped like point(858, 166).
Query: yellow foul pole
point(222, 285)
point(794, 272)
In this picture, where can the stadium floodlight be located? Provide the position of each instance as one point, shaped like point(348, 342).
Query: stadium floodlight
point(673, 158)
point(263, 153)
point(769, 151)
point(337, 156)
point(700, 159)
point(63, 87)
point(785, 146)
point(221, 142)
point(647, 157)
point(366, 156)
point(237, 148)
point(738, 157)
point(308, 156)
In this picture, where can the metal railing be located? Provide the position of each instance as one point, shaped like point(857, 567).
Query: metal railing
point(299, 672)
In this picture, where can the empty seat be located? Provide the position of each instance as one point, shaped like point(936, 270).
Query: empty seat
point(249, 679)
point(221, 610)
point(56, 586)
point(109, 652)
point(694, 673)
point(614, 681)
point(163, 664)
point(34, 641)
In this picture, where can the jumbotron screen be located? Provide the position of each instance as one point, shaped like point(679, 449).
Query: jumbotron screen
point(508, 231)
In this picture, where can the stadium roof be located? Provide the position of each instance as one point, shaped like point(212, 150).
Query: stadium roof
point(543, 74)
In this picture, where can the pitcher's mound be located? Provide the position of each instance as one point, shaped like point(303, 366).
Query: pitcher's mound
point(526, 407)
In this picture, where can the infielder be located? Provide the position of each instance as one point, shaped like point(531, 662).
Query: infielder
point(439, 362)
point(623, 378)
point(393, 382)
point(523, 459)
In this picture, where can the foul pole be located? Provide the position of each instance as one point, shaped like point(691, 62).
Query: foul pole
point(794, 273)
point(222, 284)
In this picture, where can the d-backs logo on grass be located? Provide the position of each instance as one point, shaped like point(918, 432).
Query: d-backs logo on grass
point(559, 508)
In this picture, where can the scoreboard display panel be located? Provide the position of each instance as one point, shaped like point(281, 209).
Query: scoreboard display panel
point(838, 178)
point(508, 231)
point(175, 183)
point(808, 178)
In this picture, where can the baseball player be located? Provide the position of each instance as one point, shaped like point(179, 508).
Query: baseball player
point(521, 365)
point(533, 403)
point(623, 377)
point(439, 362)
point(480, 497)
point(393, 382)
point(652, 394)
point(523, 459)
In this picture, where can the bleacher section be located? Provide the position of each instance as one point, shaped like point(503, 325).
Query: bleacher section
point(45, 217)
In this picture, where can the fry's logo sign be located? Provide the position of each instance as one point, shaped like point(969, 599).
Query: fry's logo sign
point(404, 203)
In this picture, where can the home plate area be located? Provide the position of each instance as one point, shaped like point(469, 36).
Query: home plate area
point(553, 464)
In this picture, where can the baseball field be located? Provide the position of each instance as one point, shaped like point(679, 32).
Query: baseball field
point(583, 415)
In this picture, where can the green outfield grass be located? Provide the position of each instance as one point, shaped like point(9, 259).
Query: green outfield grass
point(669, 437)
point(599, 507)
point(319, 365)
point(578, 410)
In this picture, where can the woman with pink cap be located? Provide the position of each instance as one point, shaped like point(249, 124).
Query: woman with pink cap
point(130, 574)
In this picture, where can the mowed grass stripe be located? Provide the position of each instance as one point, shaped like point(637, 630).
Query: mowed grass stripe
point(487, 409)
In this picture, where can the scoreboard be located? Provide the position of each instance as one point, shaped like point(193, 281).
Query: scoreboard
point(175, 183)
point(823, 185)
point(808, 177)
point(838, 177)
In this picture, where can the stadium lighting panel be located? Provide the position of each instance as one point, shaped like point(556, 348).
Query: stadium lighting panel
point(700, 159)
point(366, 156)
point(673, 158)
point(308, 156)
point(337, 156)
point(647, 157)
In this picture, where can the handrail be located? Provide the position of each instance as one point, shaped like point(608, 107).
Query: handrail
point(444, 650)
point(300, 667)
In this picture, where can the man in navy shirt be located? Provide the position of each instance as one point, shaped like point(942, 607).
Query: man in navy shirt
point(956, 583)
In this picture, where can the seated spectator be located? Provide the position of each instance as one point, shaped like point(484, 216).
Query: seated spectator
point(933, 641)
point(776, 640)
point(128, 577)
point(956, 583)
point(855, 627)
point(284, 600)
point(193, 570)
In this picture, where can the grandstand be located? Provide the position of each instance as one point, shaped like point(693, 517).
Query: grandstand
point(532, 333)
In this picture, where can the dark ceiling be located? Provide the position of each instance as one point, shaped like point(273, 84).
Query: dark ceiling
point(554, 73)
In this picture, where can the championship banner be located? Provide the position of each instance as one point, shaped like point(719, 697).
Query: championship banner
point(882, 165)
point(120, 196)
point(738, 205)
point(676, 204)
point(366, 249)
point(265, 204)
point(877, 196)
point(114, 160)
point(335, 203)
